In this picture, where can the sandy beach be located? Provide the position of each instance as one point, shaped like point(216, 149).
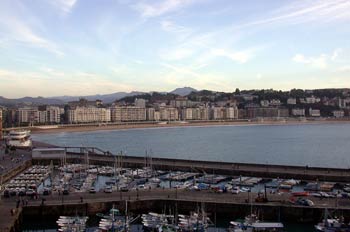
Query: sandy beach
point(125, 126)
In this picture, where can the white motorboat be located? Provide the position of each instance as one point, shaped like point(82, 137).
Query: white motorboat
point(19, 139)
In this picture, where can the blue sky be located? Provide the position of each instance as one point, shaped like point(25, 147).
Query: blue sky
point(81, 47)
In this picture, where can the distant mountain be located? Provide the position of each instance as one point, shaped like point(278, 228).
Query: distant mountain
point(29, 101)
point(61, 100)
point(106, 98)
point(183, 91)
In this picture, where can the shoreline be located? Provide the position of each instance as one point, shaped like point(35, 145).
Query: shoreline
point(128, 126)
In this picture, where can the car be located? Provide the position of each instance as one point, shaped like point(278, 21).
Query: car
point(108, 189)
point(235, 191)
point(30, 192)
point(304, 202)
point(123, 189)
point(92, 190)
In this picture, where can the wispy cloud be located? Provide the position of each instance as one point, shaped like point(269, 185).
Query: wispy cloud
point(180, 32)
point(239, 57)
point(299, 12)
point(19, 31)
point(316, 62)
point(157, 8)
point(184, 75)
point(64, 5)
point(333, 61)
point(80, 83)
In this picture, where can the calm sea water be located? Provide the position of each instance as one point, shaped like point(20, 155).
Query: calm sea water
point(324, 145)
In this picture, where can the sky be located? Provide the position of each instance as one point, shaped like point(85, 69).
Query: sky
point(84, 47)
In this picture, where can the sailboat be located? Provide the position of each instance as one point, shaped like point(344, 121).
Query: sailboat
point(115, 221)
point(252, 223)
point(72, 224)
point(332, 224)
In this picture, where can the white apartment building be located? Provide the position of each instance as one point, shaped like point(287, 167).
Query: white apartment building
point(231, 113)
point(314, 112)
point(291, 101)
point(88, 114)
point(168, 114)
point(54, 114)
point(42, 117)
point(156, 116)
point(338, 113)
point(204, 113)
point(139, 102)
point(298, 112)
point(217, 113)
point(187, 114)
point(150, 114)
point(128, 114)
point(344, 103)
point(275, 102)
point(27, 115)
point(196, 114)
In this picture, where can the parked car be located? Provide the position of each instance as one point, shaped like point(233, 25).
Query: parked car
point(305, 202)
point(123, 188)
point(30, 192)
point(92, 190)
point(235, 190)
point(108, 189)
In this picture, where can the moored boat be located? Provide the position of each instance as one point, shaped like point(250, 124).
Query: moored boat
point(19, 139)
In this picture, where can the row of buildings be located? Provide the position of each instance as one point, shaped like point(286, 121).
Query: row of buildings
point(180, 108)
point(0, 123)
point(87, 114)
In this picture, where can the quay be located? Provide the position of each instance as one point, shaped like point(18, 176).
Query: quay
point(100, 157)
point(142, 201)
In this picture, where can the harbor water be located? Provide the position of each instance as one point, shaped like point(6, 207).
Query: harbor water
point(323, 145)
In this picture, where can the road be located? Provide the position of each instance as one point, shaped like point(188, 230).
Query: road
point(180, 195)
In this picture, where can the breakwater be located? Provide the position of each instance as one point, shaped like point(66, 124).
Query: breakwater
point(97, 156)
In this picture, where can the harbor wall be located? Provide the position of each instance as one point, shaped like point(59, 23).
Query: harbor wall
point(215, 167)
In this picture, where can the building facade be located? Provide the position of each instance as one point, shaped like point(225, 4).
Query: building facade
point(298, 112)
point(128, 114)
point(338, 113)
point(88, 114)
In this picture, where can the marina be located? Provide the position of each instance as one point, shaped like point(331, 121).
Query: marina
point(89, 187)
point(61, 181)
